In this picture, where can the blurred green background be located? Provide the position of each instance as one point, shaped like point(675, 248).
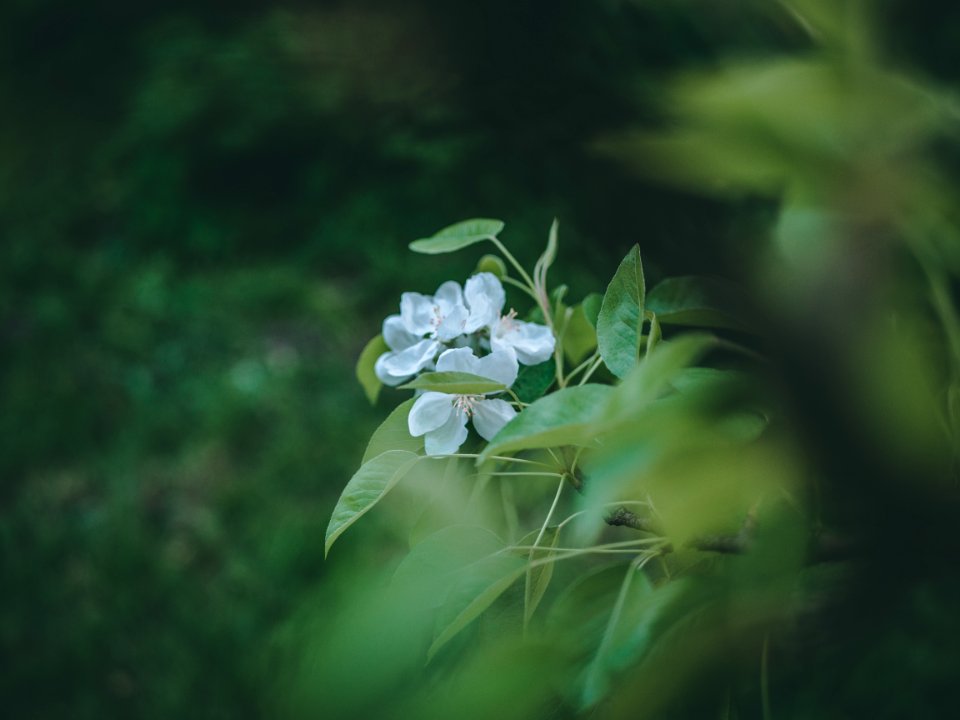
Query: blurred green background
point(204, 213)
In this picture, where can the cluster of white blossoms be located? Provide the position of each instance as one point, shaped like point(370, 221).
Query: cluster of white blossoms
point(445, 332)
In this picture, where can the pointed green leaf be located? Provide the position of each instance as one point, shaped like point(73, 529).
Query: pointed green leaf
point(365, 489)
point(365, 374)
point(475, 589)
point(540, 575)
point(458, 236)
point(550, 254)
point(633, 627)
point(701, 302)
point(620, 321)
point(455, 383)
point(393, 434)
point(566, 417)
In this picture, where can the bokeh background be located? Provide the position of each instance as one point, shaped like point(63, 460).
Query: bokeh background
point(204, 214)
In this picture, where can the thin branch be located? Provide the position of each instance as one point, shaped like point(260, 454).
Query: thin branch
point(824, 547)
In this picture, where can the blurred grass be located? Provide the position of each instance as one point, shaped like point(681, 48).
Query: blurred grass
point(203, 217)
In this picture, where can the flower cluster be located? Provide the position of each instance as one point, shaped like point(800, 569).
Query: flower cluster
point(462, 330)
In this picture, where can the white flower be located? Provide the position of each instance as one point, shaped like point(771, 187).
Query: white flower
point(485, 297)
point(531, 342)
point(442, 417)
point(417, 334)
point(442, 316)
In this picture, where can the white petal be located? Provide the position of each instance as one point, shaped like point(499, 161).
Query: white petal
point(485, 298)
point(448, 296)
point(394, 367)
point(418, 313)
point(458, 360)
point(430, 411)
point(532, 343)
point(452, 323)
point(395, 334)
point(447, 438)
point(500, 365)
point(489, 416)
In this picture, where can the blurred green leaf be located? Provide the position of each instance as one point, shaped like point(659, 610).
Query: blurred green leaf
point(474, 589)
point(432, 562)
point(455, 383)
point(620, 321)
point(365, 374)
point(566, 417)
point(458, 236)
point(647, 381)
point(541, 575)
point(639, 617)
point(366, 488)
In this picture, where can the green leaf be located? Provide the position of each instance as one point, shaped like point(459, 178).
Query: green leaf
point(581, 611)
point(365, 374)
point(566, 417)
point(646, 382)
point(541, 575)
point(534, 380)
point(701, 302)
point(633, 627)
point(455, 383)
point(393, 434)
point(365, 489)
point(458, 236)
point(475, 589)
point(492, 264)
point(620, 321)
point(550, 254)
point(591, 307)
point(432, 563)
point(579, 336)
point(655, 335)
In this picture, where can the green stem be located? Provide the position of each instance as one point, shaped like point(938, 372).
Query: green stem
point(582, 366)
point(593, 548)
point(591, 371)
point(474, 456)
point(516, 399)
point(521, 286)
point(525, 474)
point(513, 261)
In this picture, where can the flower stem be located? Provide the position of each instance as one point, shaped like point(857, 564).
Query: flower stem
point(581, 366)
point(513, 261)
point(521, 286)
point(593, 369)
